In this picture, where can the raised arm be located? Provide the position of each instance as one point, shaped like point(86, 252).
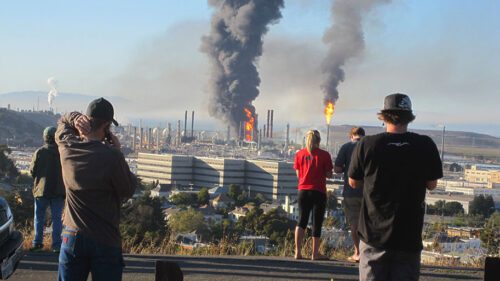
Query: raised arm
point(66, 131)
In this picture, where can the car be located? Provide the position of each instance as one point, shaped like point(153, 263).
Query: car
point(11, 242)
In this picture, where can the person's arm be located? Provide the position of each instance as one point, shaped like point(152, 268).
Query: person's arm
point(355, 183)
point(122, 179)
point(67, 132)
point(329, 166)
point(356, 167)
point(340, 161)
point(297, 173)
point(338, 169)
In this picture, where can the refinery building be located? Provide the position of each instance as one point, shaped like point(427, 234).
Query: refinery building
point(273, 179)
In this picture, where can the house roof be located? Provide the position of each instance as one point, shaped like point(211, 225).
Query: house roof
point(223, 198)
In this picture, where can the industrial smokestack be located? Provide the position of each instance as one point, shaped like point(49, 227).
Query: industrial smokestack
point(141, 134)
point(259, 140)
point(192, 125)
point(233, 46)
point(345, 38)
point(228, 137)
point(266, 130)
point(158, 139)
point(178, 139)
point(327, 137)
point(272, 124)
point(150, 140)
point(134, 138)
point(185, 123)
point(287, 141)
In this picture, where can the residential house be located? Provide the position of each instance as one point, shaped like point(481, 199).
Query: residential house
point(237, 213)
point(209, 214)
point(222, 201)
point(161, 190)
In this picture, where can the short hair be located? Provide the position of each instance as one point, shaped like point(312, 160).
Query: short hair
point(357, 131)
point(96, 123)
point(396, 117)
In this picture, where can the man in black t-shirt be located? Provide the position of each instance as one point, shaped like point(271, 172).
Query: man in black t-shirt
point(394, 168)
point(352, 196)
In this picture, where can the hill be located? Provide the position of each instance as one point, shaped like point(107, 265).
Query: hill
point(24, 128)
point(64, 102)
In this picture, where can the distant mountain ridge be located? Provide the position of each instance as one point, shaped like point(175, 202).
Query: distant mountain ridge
point(64, 102)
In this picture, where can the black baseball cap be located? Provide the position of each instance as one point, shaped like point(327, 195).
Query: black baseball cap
point(397, 102)
point(102, 109)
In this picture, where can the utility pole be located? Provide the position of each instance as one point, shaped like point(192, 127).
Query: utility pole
point(442, 144)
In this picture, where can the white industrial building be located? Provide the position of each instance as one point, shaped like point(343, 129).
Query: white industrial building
point(273, 179)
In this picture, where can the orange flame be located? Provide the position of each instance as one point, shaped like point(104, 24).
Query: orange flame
point(249, 125)
point(329, 109)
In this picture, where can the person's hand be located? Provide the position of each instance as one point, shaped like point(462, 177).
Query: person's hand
point(114, 141)
point(82, 124)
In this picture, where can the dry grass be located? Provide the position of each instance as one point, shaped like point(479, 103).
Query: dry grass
point(29, 235)
point(473, 151)
point(228, 248)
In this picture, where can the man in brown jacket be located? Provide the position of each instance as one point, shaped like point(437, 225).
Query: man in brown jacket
point(97, 180)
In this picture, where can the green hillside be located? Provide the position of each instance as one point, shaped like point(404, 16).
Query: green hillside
point(24, 128)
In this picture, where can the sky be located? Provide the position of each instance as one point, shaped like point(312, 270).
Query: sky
point(443, 54)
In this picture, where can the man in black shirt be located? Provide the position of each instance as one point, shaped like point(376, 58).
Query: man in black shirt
point(352, 197)
point(395, 168)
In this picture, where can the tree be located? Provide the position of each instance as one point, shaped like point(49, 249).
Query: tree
point(143, 217)
point(234, 191)
point(186, 221)
point(482, 205)
point(259, 199)
point(184, 199)
point(453, 208)
point(7, 167)
point(490, 236)
point(203, 196)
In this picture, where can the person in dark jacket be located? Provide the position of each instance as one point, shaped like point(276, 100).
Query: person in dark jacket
point(48, 189)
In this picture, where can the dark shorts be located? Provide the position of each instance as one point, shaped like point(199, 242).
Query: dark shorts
point(352, 207)
point(387, 265)
point(312, 201)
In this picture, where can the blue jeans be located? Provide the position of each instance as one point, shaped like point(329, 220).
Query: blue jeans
point(56, 208)
point(80, 255)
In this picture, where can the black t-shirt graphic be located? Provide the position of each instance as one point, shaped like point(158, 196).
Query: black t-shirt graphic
point(395, 169)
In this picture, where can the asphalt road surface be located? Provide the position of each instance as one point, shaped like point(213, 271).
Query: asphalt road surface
point(43, 267)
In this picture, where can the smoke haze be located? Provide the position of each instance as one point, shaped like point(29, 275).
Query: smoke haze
point(52, 82)
point(233, 46)
point(346, 40)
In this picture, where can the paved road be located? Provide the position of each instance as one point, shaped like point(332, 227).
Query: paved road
point(43, 267)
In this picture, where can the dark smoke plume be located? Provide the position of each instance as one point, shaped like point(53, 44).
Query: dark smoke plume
point(234, 45)
point(346, 40)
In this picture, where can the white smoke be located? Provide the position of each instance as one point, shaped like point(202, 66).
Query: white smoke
point(52, 82)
